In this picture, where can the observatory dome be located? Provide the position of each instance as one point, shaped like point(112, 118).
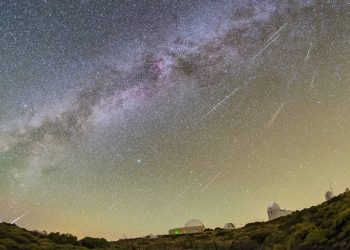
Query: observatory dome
point(273, 206)
point(194, 223)
point(229, 226)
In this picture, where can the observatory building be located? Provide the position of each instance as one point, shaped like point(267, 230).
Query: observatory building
point(229, 226)
point(192, 226)
point(328, 195)
point(274, 211)
point(151, 236)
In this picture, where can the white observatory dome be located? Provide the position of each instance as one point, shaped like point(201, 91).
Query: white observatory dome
point(229, 226)
point(194, 223)
point(273, 206)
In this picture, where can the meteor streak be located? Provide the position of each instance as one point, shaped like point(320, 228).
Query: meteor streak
point(313, 79)
point(210, 182)
point(18, 218)
point(275, 116)
point(277, 32)
point(268, 45)
point(308, 53)
point(219, 103)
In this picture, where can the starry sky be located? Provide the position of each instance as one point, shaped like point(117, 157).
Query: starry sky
point(124, 118)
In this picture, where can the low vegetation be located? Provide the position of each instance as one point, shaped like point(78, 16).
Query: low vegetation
point(322, 227)
point(13, 238)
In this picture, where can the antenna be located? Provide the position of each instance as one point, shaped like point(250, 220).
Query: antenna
point(329, 194)
point(330, 186)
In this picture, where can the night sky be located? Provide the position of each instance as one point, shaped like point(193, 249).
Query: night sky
point(131, 117)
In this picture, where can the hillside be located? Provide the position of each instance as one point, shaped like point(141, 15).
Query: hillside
point(326, 226)
point(13, 237)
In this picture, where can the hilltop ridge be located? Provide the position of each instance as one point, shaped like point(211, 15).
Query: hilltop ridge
point(321, 227)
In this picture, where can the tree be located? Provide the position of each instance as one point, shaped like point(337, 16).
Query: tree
point(90, 242)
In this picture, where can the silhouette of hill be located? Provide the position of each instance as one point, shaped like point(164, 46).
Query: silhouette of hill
point(322, 227)
point(13, 237)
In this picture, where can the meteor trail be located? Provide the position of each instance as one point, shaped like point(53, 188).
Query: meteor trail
point(271, 37)
point(313, 79)
point(308, 53)
point(18, 218)
point(219, 103)
point(270, 41)
point(268, 45)
point(275, 116)
point(210, 182)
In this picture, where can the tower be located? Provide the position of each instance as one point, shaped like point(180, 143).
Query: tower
point(329, 194)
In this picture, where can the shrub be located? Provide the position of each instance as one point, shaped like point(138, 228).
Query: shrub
point(260, 237)
point(278, 247)
point(63, 238)
point(244, 245)
point(20, 239)
point(315, 237)
point(275, 238)
point(222, 232)
point(341, 220)
point(301, 231)
point(90, 242)
point(9, 243)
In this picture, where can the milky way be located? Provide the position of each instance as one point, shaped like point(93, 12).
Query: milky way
point(130, 117)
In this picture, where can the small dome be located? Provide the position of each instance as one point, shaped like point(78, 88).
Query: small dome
point(229, 226)
point(273, 206)
point(151, 236)
point(194, 223)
